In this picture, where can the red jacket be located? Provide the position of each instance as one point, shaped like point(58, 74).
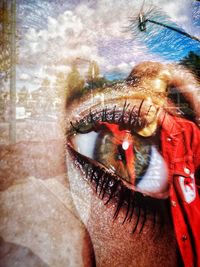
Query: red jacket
point(180, 146)
point(180, 141)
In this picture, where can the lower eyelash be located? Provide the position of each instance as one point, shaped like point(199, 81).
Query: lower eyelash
point(109, 186)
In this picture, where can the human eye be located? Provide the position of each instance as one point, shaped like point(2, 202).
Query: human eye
point(119, 164)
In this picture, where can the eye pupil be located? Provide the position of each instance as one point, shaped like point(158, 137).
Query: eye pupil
point(121, 154)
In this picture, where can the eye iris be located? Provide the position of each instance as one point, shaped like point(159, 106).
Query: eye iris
point(133, 159)
point(123, 153)
point(109, 152)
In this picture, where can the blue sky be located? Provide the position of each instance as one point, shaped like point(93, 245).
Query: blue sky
point(173, 45)
point(54, 33)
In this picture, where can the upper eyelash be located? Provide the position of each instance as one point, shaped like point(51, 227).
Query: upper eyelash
point(134, 203)
point(128, 117)
point(110, 186)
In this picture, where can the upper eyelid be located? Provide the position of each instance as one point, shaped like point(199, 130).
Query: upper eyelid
point(127, 116)
point(81, 106)
point(85, 109)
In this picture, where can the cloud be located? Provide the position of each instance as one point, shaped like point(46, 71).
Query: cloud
point(181, 13)
point(77, 33)
point(65, 38)
point(94, 30)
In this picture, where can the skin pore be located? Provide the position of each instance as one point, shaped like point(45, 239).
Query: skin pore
point(113, 241)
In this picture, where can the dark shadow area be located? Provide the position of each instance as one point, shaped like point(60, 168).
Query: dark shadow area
point(180, 101)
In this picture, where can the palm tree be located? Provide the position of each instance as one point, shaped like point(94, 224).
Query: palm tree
point(192, 62)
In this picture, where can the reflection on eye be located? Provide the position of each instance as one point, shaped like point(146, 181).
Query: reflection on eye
point(120, 165)
point(131, 157)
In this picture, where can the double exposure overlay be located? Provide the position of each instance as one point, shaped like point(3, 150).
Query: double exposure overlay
point(99, 133)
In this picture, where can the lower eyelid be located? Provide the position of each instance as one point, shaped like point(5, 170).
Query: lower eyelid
point(110, 188)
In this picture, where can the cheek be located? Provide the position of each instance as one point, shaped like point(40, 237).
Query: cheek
point(114, 245)
point(113, 242)
point(81, 193)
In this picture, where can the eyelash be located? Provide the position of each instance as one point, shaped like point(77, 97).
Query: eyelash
point(129, 118)
point(109, 186)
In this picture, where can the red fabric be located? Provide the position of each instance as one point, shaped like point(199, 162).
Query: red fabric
point(180, 147)
point(180, 140)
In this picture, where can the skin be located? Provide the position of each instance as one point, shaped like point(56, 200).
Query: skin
point(98, 239)
point(113, 243)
